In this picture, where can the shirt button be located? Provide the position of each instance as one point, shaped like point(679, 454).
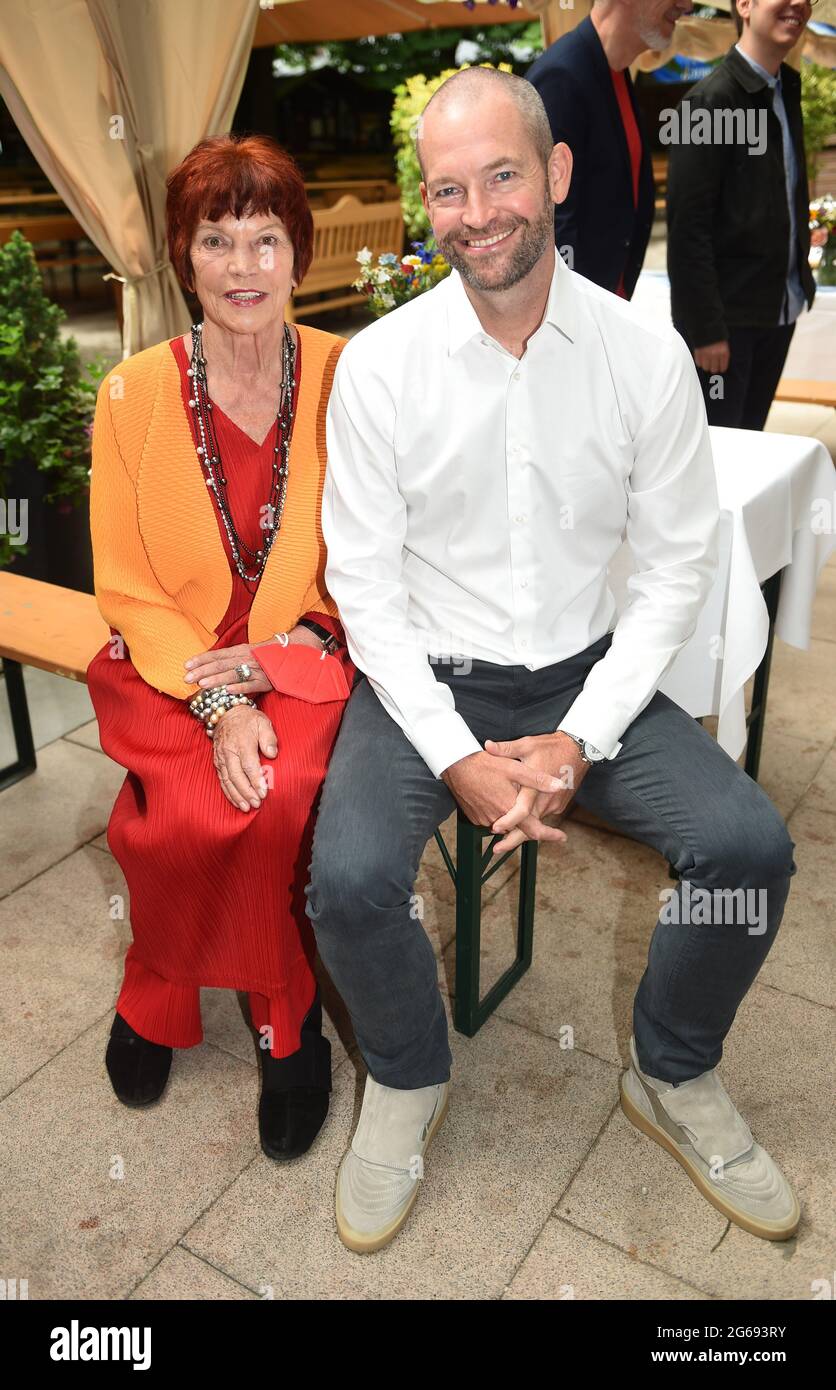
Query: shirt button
point(520, 516)
point(523, 643)
point(516, 376)
point(523, 583)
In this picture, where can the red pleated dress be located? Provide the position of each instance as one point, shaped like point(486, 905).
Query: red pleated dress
point(216, 894)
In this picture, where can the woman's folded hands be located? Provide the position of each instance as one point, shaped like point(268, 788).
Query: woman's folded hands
point(243, 735)
point(241, 738)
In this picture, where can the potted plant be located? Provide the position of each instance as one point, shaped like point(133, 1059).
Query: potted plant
point(47, 400)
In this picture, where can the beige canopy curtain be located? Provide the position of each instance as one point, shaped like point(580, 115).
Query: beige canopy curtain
point(109, 95)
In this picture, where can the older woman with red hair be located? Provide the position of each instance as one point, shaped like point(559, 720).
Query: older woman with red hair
point(224, 681)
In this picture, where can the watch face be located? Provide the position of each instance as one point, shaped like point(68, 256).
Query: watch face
point(594, 754)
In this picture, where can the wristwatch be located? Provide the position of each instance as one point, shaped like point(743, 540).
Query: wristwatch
point(589, 752)
point(329, 642)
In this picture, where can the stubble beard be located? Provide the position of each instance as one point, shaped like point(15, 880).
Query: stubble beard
point(531, 245)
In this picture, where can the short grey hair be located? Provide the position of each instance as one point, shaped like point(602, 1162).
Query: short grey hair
point(525, 97)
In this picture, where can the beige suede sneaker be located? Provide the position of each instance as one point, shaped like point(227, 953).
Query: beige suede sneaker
point(380, 1177)
point(698, 1124)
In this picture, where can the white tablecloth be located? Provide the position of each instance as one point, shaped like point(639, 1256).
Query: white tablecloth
point(778, 509)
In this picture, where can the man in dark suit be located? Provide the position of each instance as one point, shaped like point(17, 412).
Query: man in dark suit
point(738, 220)
point(603, 226)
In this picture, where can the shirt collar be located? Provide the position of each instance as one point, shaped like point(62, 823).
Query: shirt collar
point(463, 321)
point(762, 72)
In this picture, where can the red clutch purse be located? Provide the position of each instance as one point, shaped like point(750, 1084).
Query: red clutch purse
point(303, 672)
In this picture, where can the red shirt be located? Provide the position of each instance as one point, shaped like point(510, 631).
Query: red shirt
point(634, 142)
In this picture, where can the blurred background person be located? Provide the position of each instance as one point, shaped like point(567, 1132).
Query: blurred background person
point(586, 87)
point(738, 221)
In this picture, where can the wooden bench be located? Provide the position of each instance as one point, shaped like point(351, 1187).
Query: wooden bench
point(339, 233)
point(806, 392)
point(659, 165)
point(55, 629)
point(325, 193)
point(44, 229)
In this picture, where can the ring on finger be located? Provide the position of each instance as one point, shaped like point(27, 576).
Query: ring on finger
point(243, 672)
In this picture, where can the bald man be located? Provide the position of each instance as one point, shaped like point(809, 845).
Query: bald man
point(489, 444)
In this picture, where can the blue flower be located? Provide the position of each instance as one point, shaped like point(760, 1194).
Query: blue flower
point(421, 249)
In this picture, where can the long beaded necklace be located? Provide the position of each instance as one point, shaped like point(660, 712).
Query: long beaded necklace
point(210, 458)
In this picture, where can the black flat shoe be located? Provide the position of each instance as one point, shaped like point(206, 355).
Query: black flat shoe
point(289, 1121)
point(295, 1092)
point(138, 1069)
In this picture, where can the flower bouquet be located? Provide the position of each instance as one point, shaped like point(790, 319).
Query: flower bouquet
point(823, 236)
point(394, 281)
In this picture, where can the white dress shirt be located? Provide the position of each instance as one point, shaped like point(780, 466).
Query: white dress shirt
point(473, 501)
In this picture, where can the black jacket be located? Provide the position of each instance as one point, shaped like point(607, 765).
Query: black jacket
point(607, 234)
point(728, 221)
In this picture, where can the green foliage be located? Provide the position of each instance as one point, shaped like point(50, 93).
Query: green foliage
point(47, 399)
point(818, 107)
point(411, 97)
point(389, 59)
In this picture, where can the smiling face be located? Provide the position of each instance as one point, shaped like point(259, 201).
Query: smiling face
point(486, 191)
point(776, 22)
point(243, 270)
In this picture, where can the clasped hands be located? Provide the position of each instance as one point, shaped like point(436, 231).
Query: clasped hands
point(538, 774)
point(244, 734)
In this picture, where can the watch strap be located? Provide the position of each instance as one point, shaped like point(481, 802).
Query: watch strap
point(329, 642)
point(583, 744)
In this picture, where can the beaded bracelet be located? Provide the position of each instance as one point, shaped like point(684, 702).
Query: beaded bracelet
point(209, 705)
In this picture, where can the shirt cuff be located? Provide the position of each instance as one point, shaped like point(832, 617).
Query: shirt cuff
point(442, 739)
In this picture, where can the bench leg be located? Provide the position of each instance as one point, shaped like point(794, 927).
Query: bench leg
point(470, 1011)
point(22, 729)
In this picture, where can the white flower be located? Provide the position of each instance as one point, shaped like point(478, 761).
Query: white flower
point(364, 256)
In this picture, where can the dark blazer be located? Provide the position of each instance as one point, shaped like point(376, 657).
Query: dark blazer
point(608, 235)
point(728, 221)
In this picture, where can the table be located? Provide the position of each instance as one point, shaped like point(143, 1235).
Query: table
point(777, 496)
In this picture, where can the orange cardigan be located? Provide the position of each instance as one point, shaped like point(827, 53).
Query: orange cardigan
point(161, 574)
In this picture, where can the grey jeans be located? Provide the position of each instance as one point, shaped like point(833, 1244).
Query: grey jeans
point(670, 786)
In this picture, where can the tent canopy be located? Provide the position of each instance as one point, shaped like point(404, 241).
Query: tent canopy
point(311, 21)
point(316, 21)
